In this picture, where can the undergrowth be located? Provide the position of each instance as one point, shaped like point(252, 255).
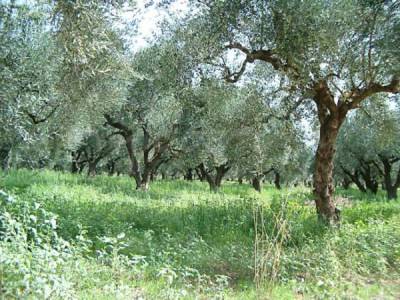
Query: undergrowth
point(68, 236)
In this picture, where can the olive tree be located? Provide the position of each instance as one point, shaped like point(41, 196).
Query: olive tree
point(149, 120)
point(61, 67)
point(265, 139)
point(369, 148)
point(335, 53)
point(28, 73)
point(211, 132)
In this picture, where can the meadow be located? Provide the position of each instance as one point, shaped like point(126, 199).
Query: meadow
point(65, 236)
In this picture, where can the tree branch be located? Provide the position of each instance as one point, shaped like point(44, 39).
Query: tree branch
point(357, 95)
point(324, 97)
point(36, 120)
point(267, 56)
point(397, 183)
point(117, 125)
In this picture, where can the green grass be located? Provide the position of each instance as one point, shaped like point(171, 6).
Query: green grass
point(179, 241)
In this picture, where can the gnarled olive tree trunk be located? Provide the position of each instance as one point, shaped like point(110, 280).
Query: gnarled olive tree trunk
point(214, 181)
point(331, 117)
point(323, 175)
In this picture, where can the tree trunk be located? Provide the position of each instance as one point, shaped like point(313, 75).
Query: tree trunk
point(213, 187)
point(370, 181)
point(211, 181)
point(346, 183)
point(74, 167)
point(199, 174)
point(92, 168)
point(355, 177)
point(218, 177)
point(391, 193)
point(144, 185)
point(111, 168)
point(277, 180)
point(75, 155)
point(221, 172)
point(256, 183)
point(189, 174)
point(127, 134)
point(390, 186)
point(331, 115)
point(212, 184)
point(81, 167)
point(360, 185)
point(240, 180)
point(323, 175)
point(5, 157)
point(372, 185)
point(146, 178)
point(134, 172)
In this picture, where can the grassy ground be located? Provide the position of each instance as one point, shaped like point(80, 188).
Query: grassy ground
point(68, 236)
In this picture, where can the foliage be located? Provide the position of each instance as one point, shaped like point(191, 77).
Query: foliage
point(28, 69)
point(369, 144)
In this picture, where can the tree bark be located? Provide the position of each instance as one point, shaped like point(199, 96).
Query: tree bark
point(366, 173)
point(392, 193)
point(74, 167)
point(111, 167)
point(127, 134)
point(346, 183)
point(206, 175)
point(391, 185)
point(75, 155)
point(221, 171)
point(214, 181)
point(189, 174)
point(199, 173)
point(355, 178)
point(331, 117)
point(323, 176)
point(5, 157)
point(134, 172)
point(371, 184)
point(81, 167)
point(92, 168)
point(145, 183)
point(256, 183)
point(277, 179)
point(213, 187)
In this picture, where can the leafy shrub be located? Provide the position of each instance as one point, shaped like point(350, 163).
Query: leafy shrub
point(31, 254)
